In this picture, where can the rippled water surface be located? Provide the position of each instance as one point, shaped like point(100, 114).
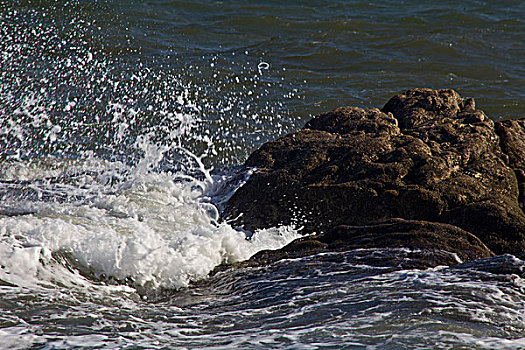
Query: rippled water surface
point(123, 125)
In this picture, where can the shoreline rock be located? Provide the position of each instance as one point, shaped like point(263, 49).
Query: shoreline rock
point(427, 171)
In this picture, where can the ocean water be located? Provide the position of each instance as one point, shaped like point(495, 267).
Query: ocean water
point(123, 128)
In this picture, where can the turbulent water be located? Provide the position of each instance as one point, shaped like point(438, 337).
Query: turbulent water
point(123, 127)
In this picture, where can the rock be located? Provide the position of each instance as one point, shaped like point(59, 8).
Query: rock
point(434, 243)
point(398, 233)
point(512, 142)
point(427, 157)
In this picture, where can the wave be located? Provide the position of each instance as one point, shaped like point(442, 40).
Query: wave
point(150, 230)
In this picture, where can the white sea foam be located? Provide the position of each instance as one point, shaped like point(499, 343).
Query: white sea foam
point(153, 231)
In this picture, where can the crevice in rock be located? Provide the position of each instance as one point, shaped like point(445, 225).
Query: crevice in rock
point(510, 159)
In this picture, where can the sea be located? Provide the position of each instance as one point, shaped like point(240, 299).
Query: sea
point(124, 126)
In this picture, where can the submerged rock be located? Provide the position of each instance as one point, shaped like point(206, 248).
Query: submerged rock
point(428, 157)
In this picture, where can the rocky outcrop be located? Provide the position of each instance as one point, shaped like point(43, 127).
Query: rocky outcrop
point(428, 158)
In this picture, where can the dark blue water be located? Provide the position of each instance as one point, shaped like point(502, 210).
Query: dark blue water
point(121, 123)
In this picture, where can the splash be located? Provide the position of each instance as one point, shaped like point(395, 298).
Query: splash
point(73, 83)
point(110, 221)
point(107, 169)
point(151, 232)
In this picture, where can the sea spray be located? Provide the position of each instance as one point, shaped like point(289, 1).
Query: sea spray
point(73, 82)
point(107, 158)
point(150, 223)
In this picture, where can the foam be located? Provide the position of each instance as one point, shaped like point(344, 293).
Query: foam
point(153, 231)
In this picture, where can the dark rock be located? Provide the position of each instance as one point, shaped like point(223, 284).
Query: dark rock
point(434, 242)
point(512, 142)
point(398, 233)
point(427, 155)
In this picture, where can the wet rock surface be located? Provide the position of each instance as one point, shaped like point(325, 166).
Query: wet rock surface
point(427, 171)
point(429, 244)
point(512, 142)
